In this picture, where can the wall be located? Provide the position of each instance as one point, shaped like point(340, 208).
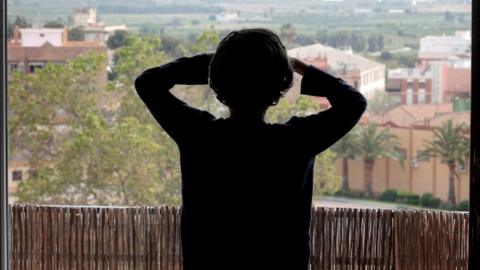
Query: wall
point(430, 176)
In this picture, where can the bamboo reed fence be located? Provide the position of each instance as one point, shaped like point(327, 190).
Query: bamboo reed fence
point(70, 237)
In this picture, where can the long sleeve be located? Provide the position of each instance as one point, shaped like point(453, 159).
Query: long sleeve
point(179, 120)
point(317, 132)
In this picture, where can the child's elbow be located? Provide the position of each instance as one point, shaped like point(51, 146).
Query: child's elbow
point(361, 104)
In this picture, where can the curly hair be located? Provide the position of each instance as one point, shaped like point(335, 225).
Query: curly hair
point(250, 68)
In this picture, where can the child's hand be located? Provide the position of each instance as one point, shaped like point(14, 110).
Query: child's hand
point(298, 66)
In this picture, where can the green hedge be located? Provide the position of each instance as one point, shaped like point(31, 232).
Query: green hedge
point(463, 205)
point(351, 193)
point(389, 195)
point(428, 200)
point(408, 198)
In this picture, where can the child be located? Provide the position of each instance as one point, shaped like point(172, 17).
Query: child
point(247, 184)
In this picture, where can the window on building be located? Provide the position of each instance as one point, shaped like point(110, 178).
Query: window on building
point(17, 175)
point(13, 66)
point(21, 67)
point(409, 96)
point(33, 66)
point(421, 96)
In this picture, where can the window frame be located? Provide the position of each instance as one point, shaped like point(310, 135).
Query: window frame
point(474, 234)
point(4, 265)
point(474, 210)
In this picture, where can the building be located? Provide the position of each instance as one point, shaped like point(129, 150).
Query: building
point(101, 33)
point(436, 48)
point(411, 85)
point(366, 75)
point(408, 115)
point(451, 78)
point(460, 43)
point(32, 48)
point(94, 29)
point(84, 17)
point(227, 17)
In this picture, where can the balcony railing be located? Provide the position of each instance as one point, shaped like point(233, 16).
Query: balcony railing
point(71, 237)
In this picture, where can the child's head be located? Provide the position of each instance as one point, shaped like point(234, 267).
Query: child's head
point(250, 69)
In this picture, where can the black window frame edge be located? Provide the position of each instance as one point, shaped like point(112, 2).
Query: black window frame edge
point(474, 211)
point(474, 233)
point(4, 254)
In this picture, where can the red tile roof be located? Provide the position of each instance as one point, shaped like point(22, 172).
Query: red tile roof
point(48, 53)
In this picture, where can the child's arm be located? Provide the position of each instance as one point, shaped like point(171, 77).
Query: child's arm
point(319, 131)
point(153, 86)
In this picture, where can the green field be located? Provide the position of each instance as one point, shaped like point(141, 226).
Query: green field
point(307, 16)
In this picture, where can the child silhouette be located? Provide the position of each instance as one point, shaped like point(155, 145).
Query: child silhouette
point(247, 184)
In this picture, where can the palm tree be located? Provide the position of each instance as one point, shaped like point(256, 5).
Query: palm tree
point(376, 143)
point(451, 144)
point(346, 148)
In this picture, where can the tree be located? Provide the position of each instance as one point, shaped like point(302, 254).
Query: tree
point(76, 34)
point(451, 144)
point(386, 55)
point(85, 153)
point(381, 103)
point(20, 22)
point(448, 16)
point(288, 34)
point(347, 148)
point(325, 179)
point(376, 43)
point(117, 39)
point(206, 41)
point(373, 144)
point(53, 24)
point(357, 42)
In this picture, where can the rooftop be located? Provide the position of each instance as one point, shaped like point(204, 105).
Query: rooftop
point(411, 73)
point(48, 52)
point(407, 115)
point(337, 59)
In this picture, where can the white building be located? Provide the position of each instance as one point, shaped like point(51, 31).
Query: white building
point(36, 37)
point(231, 16)
point(460, 43)
point(364, 74)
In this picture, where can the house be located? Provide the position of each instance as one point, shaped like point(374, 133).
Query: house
point(364, 74)
point(32, 48)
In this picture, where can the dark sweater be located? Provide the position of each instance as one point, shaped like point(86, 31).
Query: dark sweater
point(246, 188)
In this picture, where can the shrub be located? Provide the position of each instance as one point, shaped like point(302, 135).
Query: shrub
point(408, 198)
point(463, 205)
point(446, 206)
point(413, 199)
point(351, 193)
point(428, 200)
point(389, 195)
